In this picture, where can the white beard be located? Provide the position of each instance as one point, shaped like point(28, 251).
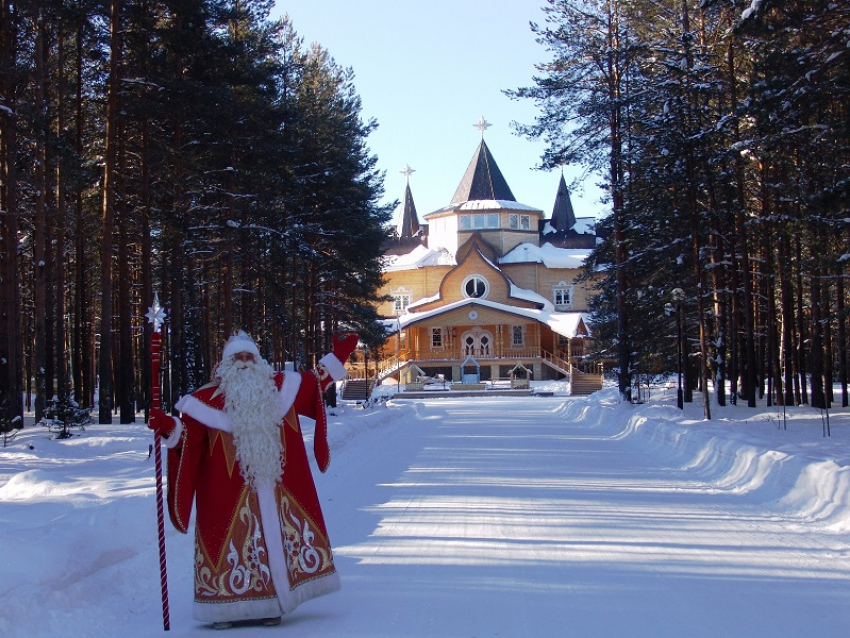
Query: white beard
point(251, 401)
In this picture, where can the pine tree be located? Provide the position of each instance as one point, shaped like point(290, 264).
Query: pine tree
point(585, 93)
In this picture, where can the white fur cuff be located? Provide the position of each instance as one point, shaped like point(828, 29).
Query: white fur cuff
point(335, 367)
point(173, 439)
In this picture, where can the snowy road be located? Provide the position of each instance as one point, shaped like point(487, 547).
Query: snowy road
point(511, 520)
point(535, 517)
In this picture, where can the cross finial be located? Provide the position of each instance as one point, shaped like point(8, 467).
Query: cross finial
point(482, 125)
point(407, 172)
point(156, 313)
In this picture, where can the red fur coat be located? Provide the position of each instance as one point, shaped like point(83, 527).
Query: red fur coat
point(258, 553)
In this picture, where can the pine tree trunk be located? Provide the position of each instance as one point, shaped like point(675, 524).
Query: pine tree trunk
point(826, 323)
point(817, 367)
point(11, 355)
point(788, 319)
point(774, 369)
point(80, 354)
point(747, 306)
point(106, 386)
point(124, 385)
point(802, 365)
point(40, 231)
point(841, 330)
point(61, 358)
point(147, 271)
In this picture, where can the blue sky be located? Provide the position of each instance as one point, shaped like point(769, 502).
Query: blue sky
point(428, 71)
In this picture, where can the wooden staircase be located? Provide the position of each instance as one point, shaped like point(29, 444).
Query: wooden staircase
point(582, 383)
point(356, 390)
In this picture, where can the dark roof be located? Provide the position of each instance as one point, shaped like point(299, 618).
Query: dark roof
point(409, 224)
point(563, 217)
point(483, 180)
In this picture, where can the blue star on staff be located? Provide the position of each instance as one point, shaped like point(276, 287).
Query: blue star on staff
point(156, 314)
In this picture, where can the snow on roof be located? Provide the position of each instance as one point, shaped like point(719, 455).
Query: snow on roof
point(547, 254)
point(562, 323)
point(516, 293)
point(419, 257)
point(567, 323)
point(487, 204)
point(583, 226)
point(530, 295)
point(423, 301)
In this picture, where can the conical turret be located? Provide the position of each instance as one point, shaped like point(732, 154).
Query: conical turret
point(563, 216)
point(483, 180)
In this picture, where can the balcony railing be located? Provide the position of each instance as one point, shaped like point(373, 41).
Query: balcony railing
point(392, 364)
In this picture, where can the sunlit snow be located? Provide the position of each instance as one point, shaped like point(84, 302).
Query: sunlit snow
point(528, 516)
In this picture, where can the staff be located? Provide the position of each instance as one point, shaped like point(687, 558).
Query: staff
point(156, 316)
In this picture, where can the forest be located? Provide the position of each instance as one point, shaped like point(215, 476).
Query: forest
point(193, 149)
point(722, 131)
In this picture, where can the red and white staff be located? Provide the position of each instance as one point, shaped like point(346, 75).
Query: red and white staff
point(156, 316)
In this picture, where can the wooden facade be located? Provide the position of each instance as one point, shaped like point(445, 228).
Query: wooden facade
point(480, 287)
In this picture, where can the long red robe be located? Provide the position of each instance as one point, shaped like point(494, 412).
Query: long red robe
point(258, 553)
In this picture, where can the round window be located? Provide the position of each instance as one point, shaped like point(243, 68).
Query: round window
point(475, 286)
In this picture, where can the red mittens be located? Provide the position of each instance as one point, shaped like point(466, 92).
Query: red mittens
point(160, 422)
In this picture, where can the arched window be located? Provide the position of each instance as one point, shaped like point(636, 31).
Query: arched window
point(475, 286)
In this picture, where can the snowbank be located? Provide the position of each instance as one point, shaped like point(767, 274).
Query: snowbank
point(780, 460)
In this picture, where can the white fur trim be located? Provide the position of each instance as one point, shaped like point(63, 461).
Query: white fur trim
point(219, 420)
point(289, 390)
point(173, 439)
point(236, 610)
point(240, 343)
point(335, 367)
point(207, 415)
point(270, 520)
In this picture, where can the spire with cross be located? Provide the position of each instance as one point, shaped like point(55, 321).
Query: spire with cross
point(407, 172)
point(482, 125)
point(408, 225)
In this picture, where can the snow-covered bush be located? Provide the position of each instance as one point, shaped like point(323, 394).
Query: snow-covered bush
point(63, 415)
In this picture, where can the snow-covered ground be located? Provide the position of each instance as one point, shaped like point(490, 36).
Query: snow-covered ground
point(535, 516)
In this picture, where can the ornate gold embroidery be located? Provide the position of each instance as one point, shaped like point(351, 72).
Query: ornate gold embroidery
point(206, 585)
point(249, 570)
point(303, 557)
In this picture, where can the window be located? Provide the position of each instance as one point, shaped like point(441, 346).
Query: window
point(562, 295)
point(436, 338)
point(400, 303)
point(485, 345)
point(401, 300)
point(519, 222)
point(516, 332)
point(479, 222)
point(475, 286)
